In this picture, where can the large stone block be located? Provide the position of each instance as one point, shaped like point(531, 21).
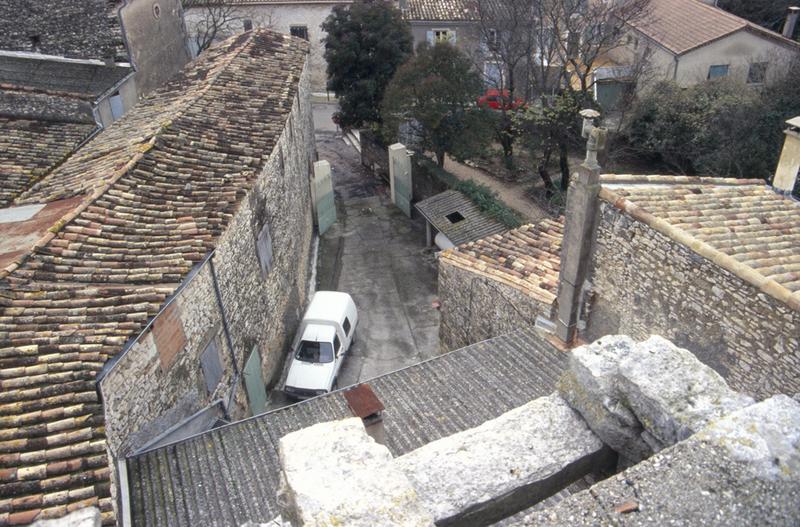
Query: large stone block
point(742, 469)
point(489, 472)
point(335, 474)
point(642, 397)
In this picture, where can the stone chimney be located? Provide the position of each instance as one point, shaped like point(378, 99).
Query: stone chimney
point(791, 22)
point(579, 230)
point(789, 163)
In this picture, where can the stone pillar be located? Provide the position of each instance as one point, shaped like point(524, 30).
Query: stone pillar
point(578, 233)
point(400, 177)
point(789, 164)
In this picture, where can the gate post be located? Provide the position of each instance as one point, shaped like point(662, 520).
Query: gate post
point(322, 196)
point(400, 177)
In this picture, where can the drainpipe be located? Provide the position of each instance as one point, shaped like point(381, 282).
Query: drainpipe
point(228, 338)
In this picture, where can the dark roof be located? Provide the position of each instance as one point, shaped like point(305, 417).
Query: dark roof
point(74, 78)
point(153, 192)
point(742, 225)
point(684, 25)
point(440, 10)
point(474, 223)
point(82, 29)
point(527, 258)
point(229, 475)
point(29, 149)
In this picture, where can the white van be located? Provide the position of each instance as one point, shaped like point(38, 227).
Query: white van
point(326, 333)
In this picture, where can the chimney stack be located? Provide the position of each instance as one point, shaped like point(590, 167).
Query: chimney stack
point(791, 22)
point(786, 175)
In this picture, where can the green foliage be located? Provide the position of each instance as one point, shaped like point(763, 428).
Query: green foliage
point(434, 94)
point(767, 13)
point(366, 43)
point(486, 199)
point(720, 127)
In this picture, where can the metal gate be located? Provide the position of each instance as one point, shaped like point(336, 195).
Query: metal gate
point(254, 383)
point(322, 194)
point(400, 177)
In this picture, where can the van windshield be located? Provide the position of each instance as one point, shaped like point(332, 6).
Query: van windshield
point(315, 351)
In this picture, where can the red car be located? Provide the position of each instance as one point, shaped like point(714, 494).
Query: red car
point(496, 100)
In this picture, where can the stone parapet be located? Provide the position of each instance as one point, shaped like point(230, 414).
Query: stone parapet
point(484, 474)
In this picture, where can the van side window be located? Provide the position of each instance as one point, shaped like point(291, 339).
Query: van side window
point(337, 344)
point(346, 326)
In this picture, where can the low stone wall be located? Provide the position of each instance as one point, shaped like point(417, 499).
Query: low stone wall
point(644, 283)
point(475, 307)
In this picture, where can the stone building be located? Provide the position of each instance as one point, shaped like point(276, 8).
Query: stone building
point(491, 286)
point(153, 275)
point(301, 18)
point(709, 263)
point(98, 55)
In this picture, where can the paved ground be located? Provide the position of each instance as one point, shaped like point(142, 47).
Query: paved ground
point(378, 255)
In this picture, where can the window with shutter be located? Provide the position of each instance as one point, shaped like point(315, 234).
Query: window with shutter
point(211, 366)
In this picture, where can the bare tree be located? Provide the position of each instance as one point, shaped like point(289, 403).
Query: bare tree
point(212, 20)
point(555, 47)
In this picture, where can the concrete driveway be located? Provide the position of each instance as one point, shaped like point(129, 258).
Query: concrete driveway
point(378, 255)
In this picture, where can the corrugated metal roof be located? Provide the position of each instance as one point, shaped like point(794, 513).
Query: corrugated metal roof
point(471, 225)
point(230, 475)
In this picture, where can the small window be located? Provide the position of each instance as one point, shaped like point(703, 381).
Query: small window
point(117, 108)
point(337, 344)
point(212, 366)
point(264, 250)
point(346, 326)
point(454, 217)
point(757, 73)
point(248, 24)
point(299, 31)
point(721, 70)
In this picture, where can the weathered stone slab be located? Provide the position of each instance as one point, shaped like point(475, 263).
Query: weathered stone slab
point(743, 469)
point(641, 397)
point(671, 392)
point(335, 474)
point(589, 385)
point(489, 472)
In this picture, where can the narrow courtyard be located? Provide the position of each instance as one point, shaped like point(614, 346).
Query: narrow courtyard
point(377, 255)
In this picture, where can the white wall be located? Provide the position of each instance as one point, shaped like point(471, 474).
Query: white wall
point(281, 17)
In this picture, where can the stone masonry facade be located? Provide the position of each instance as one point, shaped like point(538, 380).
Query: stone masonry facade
point(155, 386)
point(476, 308)
point(644, 283)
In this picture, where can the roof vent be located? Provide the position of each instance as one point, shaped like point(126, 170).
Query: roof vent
point(455, 217)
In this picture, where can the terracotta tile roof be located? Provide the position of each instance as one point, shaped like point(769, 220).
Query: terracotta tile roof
point(473, 224)
point(683, 25)
point(440, 10)
point(527, 258)
point(85, 29)
point(162, 183)
point(743, 226)
point(29, 149)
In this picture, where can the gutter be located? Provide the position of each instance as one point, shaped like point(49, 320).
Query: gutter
point(228, 338)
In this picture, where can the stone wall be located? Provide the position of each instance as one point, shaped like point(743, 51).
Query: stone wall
point(159, 382)
point(475, 308)
point(644, 283)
